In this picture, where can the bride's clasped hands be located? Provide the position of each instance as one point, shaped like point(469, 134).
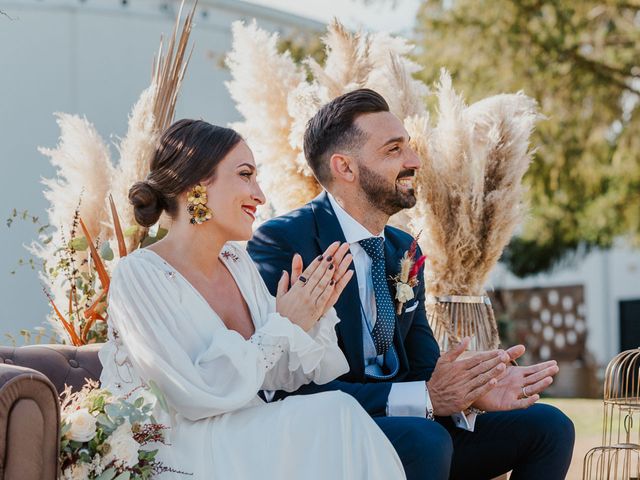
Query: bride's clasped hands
point(305, 296)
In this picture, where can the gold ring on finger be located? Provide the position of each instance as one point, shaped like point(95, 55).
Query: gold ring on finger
point(524, 392)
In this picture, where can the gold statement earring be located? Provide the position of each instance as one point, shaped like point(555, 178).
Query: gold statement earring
point(197, 205)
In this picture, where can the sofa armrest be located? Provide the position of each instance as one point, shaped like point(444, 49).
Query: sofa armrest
point(29, 425)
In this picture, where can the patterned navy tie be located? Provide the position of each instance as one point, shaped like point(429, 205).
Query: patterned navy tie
point(385, 312)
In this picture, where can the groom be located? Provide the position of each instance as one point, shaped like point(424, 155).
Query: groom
point(430, 406)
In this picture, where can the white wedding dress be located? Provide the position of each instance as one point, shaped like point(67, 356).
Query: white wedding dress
point(163, 331)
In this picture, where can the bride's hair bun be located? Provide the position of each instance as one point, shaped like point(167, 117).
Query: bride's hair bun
point(147, 202)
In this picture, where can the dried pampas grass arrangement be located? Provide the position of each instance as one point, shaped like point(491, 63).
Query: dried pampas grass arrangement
point(79, 195)
point(470, 200)
point(470, 193)
point(275, 98)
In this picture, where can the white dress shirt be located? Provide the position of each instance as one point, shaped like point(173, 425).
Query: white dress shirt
point(405, 398)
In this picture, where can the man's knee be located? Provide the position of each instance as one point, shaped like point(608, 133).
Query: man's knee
point(552, 424)
point(428, 446)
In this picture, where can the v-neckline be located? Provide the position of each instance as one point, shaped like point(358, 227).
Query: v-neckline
point(201, 297)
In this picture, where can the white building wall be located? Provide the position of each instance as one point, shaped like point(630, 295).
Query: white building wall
point(608, 277)
point(91, 57)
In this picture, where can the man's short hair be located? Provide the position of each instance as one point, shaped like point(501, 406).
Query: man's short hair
point(333, 129)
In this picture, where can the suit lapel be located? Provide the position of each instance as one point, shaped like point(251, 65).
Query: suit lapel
point(348, 305)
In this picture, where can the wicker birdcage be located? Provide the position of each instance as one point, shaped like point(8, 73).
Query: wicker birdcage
point(454, 317)
point(620, 461)
point(622, 398)
point(619, 455)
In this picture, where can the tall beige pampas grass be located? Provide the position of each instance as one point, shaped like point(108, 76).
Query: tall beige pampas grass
point(471, 192)
point(262, 80)
point(347, 65)
point(82, 164)
point(470, 200)
point(276, 100)
point(392, 76)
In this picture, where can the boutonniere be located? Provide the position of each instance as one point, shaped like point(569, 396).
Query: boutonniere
point(408, 276)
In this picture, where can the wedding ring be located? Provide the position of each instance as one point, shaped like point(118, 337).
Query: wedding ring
point(302, 279)
point(524, 392)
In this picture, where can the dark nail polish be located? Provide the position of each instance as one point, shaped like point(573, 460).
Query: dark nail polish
point(331, 267)
point(320, 258)
point(331, 282)
point(329, 258)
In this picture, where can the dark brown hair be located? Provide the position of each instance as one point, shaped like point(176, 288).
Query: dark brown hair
point(333, 128)
point(188, 153)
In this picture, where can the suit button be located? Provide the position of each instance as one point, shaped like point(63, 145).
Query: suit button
point(73, 363)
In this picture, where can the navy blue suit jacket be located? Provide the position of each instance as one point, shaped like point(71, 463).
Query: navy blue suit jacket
point(309, 231)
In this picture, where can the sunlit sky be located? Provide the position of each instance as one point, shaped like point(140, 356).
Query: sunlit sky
point(379, 15)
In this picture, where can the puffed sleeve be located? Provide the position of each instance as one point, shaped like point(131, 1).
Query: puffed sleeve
point(198, 377)
point(324, 363)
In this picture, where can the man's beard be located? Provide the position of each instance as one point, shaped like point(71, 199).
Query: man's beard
point(387, 198)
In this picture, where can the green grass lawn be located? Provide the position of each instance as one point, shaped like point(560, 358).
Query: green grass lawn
point(587, 417)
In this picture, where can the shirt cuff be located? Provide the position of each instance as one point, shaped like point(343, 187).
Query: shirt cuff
point(407, 399)
point(465, 422)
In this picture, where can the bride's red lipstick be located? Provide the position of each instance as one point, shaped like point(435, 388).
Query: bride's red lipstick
point(250, 210)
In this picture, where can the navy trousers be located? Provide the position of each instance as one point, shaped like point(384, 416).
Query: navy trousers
point(536, 443)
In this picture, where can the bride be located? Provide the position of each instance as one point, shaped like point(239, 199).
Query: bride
point(191, 316)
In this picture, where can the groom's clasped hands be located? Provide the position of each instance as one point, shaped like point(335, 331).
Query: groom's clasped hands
point(460, 379)
point(486, 380)
point(305, 296)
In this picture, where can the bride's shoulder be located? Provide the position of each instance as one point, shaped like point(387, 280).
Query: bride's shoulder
point(141, 261)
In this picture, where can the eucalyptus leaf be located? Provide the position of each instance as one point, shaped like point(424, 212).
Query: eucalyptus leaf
point(124, 476)
point(102, 419)
point(79, 243)
point(106, 252)
point(113, 410)
point(108, 474)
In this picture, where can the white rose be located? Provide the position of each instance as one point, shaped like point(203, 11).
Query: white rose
point(124, 449)
point(404, 292)
point(82, 425)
